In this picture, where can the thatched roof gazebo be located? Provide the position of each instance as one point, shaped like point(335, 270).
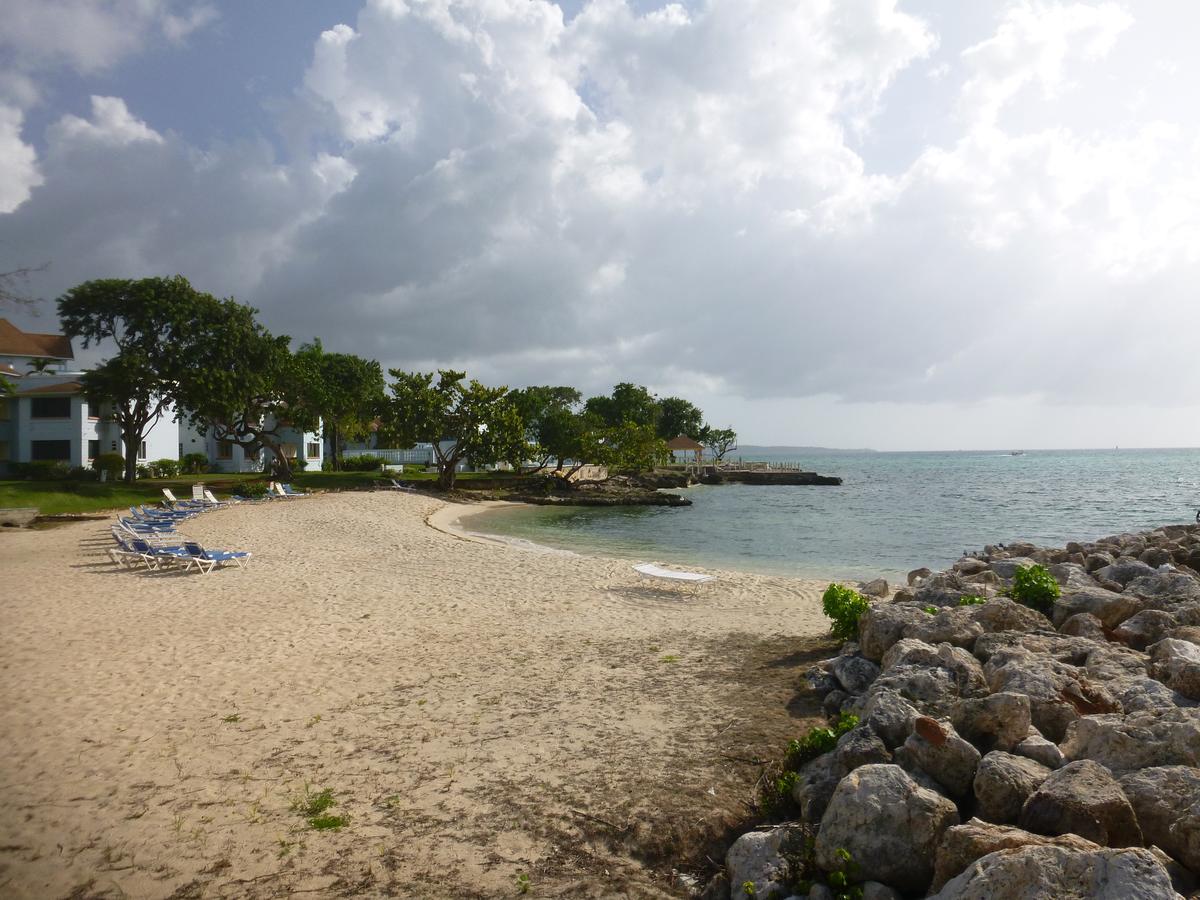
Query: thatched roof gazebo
point(682, 446)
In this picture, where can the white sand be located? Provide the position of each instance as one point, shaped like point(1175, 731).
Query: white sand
point(478, 711)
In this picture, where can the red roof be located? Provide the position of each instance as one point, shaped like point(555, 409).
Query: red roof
point(15, 342)
point(62, 387)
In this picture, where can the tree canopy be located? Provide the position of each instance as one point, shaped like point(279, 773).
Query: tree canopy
point(460, 419)
point(345, 391)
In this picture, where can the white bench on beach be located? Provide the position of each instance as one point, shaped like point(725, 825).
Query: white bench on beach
point(650, 570)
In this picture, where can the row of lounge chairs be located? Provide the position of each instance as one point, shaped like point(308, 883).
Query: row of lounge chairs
point(275, 491)
point(148, 537)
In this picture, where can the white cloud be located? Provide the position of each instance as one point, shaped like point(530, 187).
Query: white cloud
point(111, 124)
point(92, 35)
point(681, 197)
point(18, 161)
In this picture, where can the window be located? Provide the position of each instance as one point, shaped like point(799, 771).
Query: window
point(93, 410)
point(50, 408)
point(224, 450)
point(142, 450)
point(3, 409)
point(313, 450)
point(93, 449)
point(50, 451)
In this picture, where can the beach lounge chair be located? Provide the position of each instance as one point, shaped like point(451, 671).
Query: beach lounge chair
point(171, 556)
point(397, 486)
point(217, 557)
point(287, 491)
point(213, 501)
point(693, 579)
point(173, 503)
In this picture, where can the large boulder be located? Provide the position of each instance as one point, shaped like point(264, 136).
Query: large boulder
point(1165, 588)
point(1155, 737)
point(996, 722)
point(889, 715)
point(1064, 648)
point(860, 746)
point(1085, 625)
point(1123, 571)
point(1002, 614)
point(1109, 607)
point(963, 844)
point(814, 785)
point(940, 753)
point(1082, 798)
point(953, 625)
point(1006, 568)
point(1145, 628)
point(1003, 782)
point(854, 673)
point(1177, 665)
point(1166, 800)
point(1058, 692)
point(1064, 874)
point(890, 825)
point(877, 588)
point(759, 857)
point(929, 690)
point(883, 624)
point(909, 652)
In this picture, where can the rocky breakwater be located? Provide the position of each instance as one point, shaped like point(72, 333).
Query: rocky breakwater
point(619, 490)
point(1001, 751)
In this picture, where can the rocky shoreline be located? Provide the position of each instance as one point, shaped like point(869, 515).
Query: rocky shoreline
point(999, 752)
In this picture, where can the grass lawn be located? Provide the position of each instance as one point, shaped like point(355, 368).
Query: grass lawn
point(57, 497)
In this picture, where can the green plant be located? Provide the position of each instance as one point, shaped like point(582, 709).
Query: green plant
point(310, 804)
point(523, 883)
point(194, 463)
point(254, 489)
point(298, 463)
point(817, 742)
point(971, 600)
point(41, 470)
point(839, 879)
point(1035, 587)
point(362, 463)
point(112, 465)
point(326, 823)
point(931, 610)
point(843, 606)
point(749, 890)
point(165, 468)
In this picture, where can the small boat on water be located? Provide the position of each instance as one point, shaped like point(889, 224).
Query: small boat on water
point(1018, 453)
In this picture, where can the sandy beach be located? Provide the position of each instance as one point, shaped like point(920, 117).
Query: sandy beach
point(481, 714)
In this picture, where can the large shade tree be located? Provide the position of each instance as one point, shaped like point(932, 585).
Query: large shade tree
point(627, 403)
point(677, 416)
point(544, 410)
point(345, 391)
point(460, 419)
point(243, 383)
point(149, 321)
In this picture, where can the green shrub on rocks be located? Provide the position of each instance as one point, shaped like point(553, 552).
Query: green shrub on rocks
point(816, 742)
point(971, 600)
point(1035, 587)
point(843, 606)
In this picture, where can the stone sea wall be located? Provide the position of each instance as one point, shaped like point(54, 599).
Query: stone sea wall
point(1004, 753)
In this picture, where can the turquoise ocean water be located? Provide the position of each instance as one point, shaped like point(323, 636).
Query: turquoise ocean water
point(895, 511)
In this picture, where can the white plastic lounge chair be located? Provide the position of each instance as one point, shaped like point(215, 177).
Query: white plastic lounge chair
point(213, 501)
point(397, 486)
point(174, 503)
point(216, 557)
point(650, 570)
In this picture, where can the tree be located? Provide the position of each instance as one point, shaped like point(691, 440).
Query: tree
point(627, 403)
point(12, 292)
point(544, 410)
point(147, 320)
point(345, 391)
point(678, 416)
point(720, 441)
point(461, 420)
point(243, 382)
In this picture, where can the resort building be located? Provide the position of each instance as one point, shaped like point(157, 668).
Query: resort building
point(45, 417)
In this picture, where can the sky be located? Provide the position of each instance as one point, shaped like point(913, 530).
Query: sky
point(898, 224)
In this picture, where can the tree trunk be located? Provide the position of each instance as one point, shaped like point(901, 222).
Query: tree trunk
point(446, 473)
point(334, 449)
point(132, 444)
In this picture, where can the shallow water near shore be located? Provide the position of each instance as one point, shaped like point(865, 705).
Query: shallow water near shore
point(895, 511)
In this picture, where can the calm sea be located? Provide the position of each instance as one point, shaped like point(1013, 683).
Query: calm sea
point(895, 511)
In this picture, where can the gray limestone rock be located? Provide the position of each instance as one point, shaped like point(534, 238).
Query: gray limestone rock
point(1166, 800)
point(890, 825)
point(963, 844)
point(1082, 798)
point(1030, 872)
point(1003, 782)
point(996, 722)
point(1125, 743)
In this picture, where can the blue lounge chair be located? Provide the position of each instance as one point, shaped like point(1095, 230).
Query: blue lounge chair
point(216, 557)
